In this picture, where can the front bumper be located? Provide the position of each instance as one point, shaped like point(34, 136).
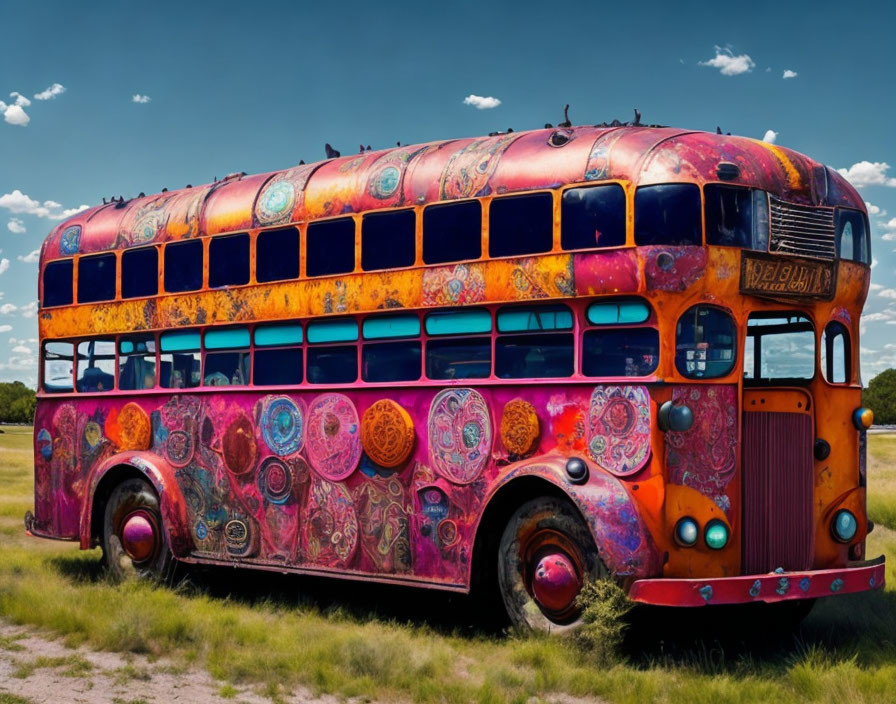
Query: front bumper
point(771, 587)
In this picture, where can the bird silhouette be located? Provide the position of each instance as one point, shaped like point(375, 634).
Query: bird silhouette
point(718, 130)
point(637, 122)
point(566, 122)
point(331, 153)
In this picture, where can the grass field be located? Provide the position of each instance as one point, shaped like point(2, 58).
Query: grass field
point(396, 643)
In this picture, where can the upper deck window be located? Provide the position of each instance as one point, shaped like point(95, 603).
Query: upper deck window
point(388, 240)
point(330, 247)
point(228, 261)
point(59, 367)
point(137, 363)
point(593, 217)
point(705, 339)
point(58, 282)
point(835, 349)
point(183, 266)
point(780, 349)
point(96, 366)
point(736, 217)
point(452, 232)
point(852, 236)
point(96, 278)
point(277, 255)
point(668, 213)
point(535, 350)
point(139, 272)
point(521, 225)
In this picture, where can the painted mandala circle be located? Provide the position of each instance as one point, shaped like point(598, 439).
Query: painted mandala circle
point(45, 443)
point(334, 441)
point(385, 182)
point(135, 429)
point(619, 428)
point(387, 433)
point(275, 480)
point(238, 445)
point(460, 434)
point(282, 425)
point(70, 240)
point(520, 428)
point(276, 202)
point(146, 227)
point(179, 448)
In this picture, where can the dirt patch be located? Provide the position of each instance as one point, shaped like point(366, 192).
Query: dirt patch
point(39, 669)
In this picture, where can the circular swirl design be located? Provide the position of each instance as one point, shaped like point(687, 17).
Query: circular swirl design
point(619, 424)
point(282, 425)
point(236, 537)
point(333, 443)
point(179, 448)
point(70, 240)
point(146, 227)
point(238, 445)
point(275, 480)
point(134, 428)
point(385, 182)
point(460, 434)
point(520, 428)
point(276, 202)
point(387, 433)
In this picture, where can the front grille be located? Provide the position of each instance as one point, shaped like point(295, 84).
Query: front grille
point(801, 230)
point(778, 486)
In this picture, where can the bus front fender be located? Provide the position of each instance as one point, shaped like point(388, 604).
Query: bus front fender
point(623, 540)
point(161, 475)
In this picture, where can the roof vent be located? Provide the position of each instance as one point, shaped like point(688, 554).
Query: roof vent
point(727, 171)
point(559, 138)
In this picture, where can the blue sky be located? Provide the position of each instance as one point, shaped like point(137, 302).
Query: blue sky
point(229, 86)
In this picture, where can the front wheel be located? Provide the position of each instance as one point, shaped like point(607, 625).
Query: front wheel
point(545, 557)
point(135, 544)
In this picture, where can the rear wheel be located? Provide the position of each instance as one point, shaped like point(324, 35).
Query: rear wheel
point(545, 557)
point(135, 544)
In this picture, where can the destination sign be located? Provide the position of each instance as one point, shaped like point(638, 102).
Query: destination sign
point(792, 277)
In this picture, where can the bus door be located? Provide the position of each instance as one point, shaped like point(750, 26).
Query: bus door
point(777, 439)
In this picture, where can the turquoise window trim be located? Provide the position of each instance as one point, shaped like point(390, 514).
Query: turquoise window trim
point(459, 322)
point(534, 318)
point(227, 339)
point(332, 331)
point(390, 326)
point(180, 341)
point(126, 347)
point(276, 335)
point(618, 312)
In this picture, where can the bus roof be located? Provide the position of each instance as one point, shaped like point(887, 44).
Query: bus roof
point(446, 171)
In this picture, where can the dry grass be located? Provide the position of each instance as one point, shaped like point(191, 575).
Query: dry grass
point(359, 640)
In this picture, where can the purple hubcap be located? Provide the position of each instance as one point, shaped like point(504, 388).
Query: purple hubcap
point(138, 536)
point(556, 583)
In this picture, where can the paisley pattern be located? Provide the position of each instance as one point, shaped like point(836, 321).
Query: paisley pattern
point(282, 425)
point(329, 535)
point(334, 438)
point(619, 428)
point(460, 434)
point(469, 169)
point(383, 517)
point(453, 285)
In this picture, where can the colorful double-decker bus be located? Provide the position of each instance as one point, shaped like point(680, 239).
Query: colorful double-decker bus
point(531, 359)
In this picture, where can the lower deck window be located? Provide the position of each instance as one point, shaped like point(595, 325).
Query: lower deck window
point(277, 367)
point(534, 356)
point(59, 363)
point(332, 365)
point(179, 370)
point(620, 352)
point(391, 361)
point(463, 358)
point(136, 363)
point(704, 343)
point(96, 366)
point(226, 369)
point(780, 349)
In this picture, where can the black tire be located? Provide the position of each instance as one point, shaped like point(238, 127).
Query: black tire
point(537, 534)
point(134, 503)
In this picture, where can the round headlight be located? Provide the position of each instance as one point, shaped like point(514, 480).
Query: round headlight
point(863, 418)
point(716, 534)
point(844, 526)
point(686, 532)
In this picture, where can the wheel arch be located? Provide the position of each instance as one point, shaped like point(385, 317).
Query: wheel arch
point(136, 465)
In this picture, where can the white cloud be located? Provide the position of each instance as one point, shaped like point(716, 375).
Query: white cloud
point(5, 328)
point(874, 210)
point(19, 349)
point(4, 265)
point(21, 100)
point(875, 287)
point(140, 98)
point(868, 173)
point(30, 310)
point(728, 63)
point(887, 293)
point(51, 92)
point(8, 309)
point(21, 204)
point(770, 136)
point(873, 262)
point(16, 226)
point(481, 103)
point(13, 112)
point(889, 230)
point(30, 258)
point(789, 74)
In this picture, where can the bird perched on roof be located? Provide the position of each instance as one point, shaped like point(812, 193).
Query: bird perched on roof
point(331, 153)
point(637, 122)
point(566, 122)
